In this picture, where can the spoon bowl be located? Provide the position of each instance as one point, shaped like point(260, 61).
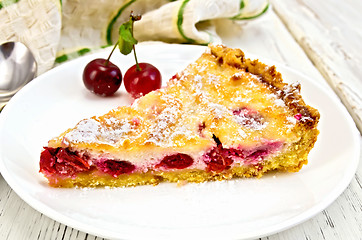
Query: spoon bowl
point(17, 68)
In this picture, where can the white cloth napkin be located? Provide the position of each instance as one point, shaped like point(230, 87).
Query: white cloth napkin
point(57, 31)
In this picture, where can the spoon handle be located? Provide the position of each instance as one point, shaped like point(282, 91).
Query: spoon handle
point(2, 105)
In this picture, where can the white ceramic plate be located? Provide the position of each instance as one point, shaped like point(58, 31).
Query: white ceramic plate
point(242, 209)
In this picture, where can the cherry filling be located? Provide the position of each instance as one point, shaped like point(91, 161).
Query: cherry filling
point(219, 158)
point(298, 116)
point(115, 168)
point(260, 152)
point(176, 161)
point(62, 161)
point(250, 155)
point(66, 163)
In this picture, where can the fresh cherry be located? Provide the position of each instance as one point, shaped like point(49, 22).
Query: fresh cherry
point(141, 79)
point(102, 77)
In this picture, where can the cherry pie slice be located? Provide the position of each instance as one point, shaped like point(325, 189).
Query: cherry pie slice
point(224, 116)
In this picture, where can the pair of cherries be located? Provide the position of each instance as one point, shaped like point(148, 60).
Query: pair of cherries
point(104, 78)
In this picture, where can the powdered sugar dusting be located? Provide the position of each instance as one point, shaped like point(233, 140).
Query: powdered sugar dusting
point(169, 124)
point(112, 135)
point(161, 130)
point(112, 121)
point(237, 75)
point(198, 86)
point(218, 110)
point(92, 131)
point(291, 89)
point(85, 131)
point(254, 77)
point(250, 122)
point(213, 80)
point(277, 101)
point(292, 120)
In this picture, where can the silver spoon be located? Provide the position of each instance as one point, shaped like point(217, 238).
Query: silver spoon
point(17, 68)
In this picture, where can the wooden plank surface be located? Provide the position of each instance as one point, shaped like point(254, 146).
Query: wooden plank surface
point(269, 37)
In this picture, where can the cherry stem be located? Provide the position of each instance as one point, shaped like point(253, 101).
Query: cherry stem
point(107, 61)
point(138, 68)
point(133, 19)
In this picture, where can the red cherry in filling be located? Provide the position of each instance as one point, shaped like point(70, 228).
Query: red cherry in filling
point(102, 77)
point(62, 161)
point(141, 80)
point(48, 160)
point(116, 168)
point(217, 159)
point(72, 159)
point(178, 161)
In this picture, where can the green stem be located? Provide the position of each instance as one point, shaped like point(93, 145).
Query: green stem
point(107, 61)
point(138, 68)
point(134, 48)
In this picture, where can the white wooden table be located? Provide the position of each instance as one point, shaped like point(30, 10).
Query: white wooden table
point(322, 39)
